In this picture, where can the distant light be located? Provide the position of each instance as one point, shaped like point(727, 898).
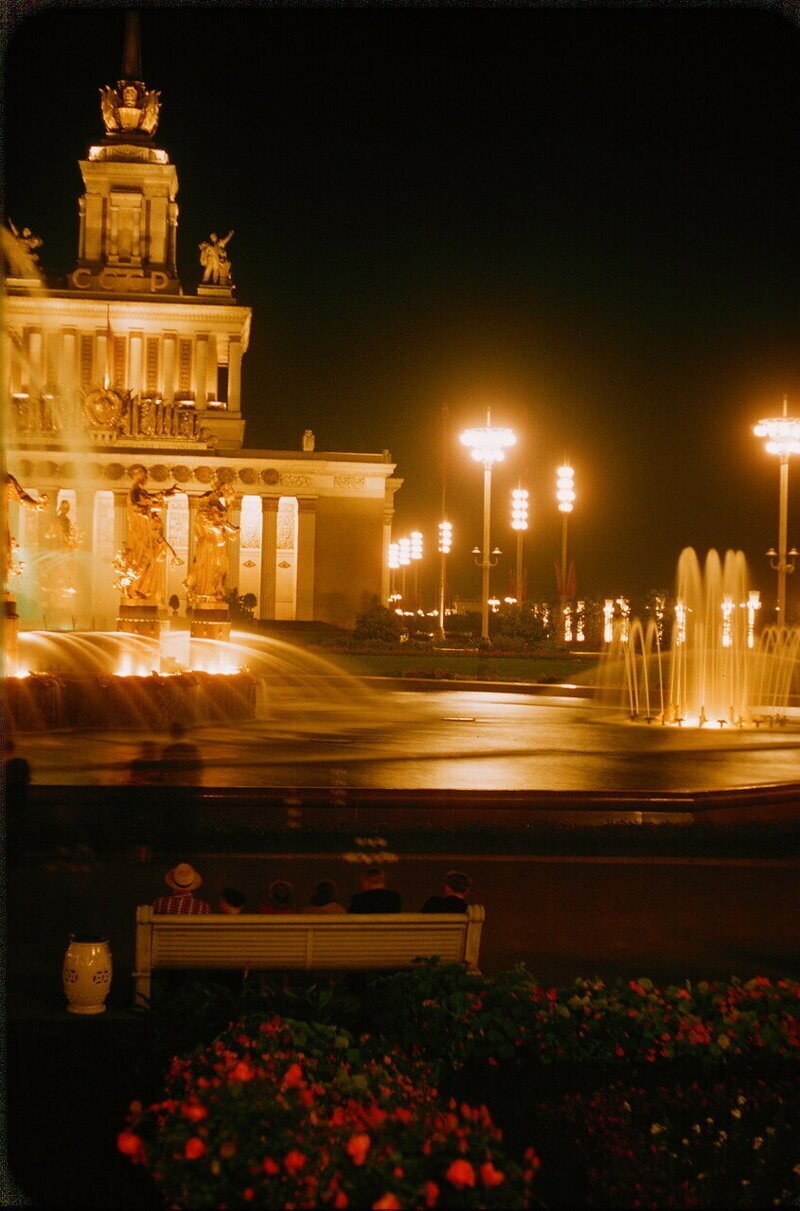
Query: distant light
point(394, 556)
point(519, 509)
point(565, 488)
point(416, 544)
point(404, 552)
point(445, 537)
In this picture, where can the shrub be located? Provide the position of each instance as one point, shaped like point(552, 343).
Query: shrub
point(287, 1114)
point(377, 625)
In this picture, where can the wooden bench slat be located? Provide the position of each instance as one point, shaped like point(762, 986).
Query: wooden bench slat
point(302, 941)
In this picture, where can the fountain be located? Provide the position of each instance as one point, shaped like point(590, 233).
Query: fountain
point(716, 671)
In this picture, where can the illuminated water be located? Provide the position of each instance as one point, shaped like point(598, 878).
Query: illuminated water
point(717, 670)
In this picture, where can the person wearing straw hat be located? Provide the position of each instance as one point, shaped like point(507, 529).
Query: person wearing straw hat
point(184, 881)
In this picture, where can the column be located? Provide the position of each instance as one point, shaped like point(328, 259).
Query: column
point(194, 504)
point(136, 362)
point(235, 515)
point(388, 514)
point(168, 367)
point(101, 351)
point(269, 548)
point(120, 518)
point(85, 606)
point(67, 368)
point(212, 375)
point(32, 361)
point(200, 380)
point(234, 374)
point(306, 539)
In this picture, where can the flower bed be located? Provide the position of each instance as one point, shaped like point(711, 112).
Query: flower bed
point(284, 1114)
point(449, 1018)
point(725, 1144)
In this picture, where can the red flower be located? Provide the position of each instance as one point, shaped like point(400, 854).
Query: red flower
point(194, 1148)
point(194, 1111)
point(293, 1162)
point(248, 1194)
point(242, 1071)
point(269, 1166)
point(461, 1173)
point(388, 1202)
point(358, 1146)
point(294, 1076)
point(431, 1192)
point(129, 1143)
point(341, 1200)
point(491, 1176)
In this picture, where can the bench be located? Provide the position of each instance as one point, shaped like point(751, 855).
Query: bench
point(301, 941)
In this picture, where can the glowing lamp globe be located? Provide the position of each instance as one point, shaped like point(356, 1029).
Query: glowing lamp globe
point(782, 434)
point(488, 445)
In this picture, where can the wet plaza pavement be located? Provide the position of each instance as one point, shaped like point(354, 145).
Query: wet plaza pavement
point(444, 740)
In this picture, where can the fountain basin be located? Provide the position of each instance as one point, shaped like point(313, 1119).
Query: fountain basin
point(47, 701)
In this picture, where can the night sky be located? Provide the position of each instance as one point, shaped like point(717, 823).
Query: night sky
point(583, 219)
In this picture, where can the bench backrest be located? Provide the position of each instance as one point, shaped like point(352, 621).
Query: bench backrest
point(305, 940)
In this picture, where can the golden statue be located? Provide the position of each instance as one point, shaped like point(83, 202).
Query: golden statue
point(140, 566)
point(215, 261)
point(15, 491)
point(207, 579)
point(19, 251)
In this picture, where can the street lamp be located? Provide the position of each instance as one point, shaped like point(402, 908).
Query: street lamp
point(783, 438)
point(415, 550)
point(487, 446)
point(565, 495)
point(519, 522)
point(393, 563)
point(404, 559)
point(445, 543)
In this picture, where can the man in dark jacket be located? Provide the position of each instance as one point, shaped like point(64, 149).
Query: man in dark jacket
point(375, 895)
point(454, 894)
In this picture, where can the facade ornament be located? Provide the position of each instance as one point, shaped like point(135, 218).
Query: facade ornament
point(104, 408)
point(215, 261)
point(295, 481)
point(349, 482)
point(308, 439)
point(129, 108)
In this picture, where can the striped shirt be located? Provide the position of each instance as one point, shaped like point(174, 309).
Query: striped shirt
point(184, 903)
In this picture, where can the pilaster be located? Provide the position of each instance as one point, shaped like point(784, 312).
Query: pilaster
point(306, 542)
point(269, 549)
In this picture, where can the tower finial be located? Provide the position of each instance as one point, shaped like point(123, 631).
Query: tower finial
point(132, 52)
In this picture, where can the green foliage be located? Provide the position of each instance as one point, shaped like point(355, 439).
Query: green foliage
point(377, 625)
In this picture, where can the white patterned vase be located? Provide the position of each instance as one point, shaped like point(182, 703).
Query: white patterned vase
point(87, 974)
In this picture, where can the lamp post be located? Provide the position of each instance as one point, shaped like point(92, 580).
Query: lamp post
point(487, 446)
point(519, 522)
point(394, 564)
point(403, 559)
point(445, 542)
point(783, 438)
point(565, 495)
point(416, 556)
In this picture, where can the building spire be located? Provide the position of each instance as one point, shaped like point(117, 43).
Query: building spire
point(132, 51)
